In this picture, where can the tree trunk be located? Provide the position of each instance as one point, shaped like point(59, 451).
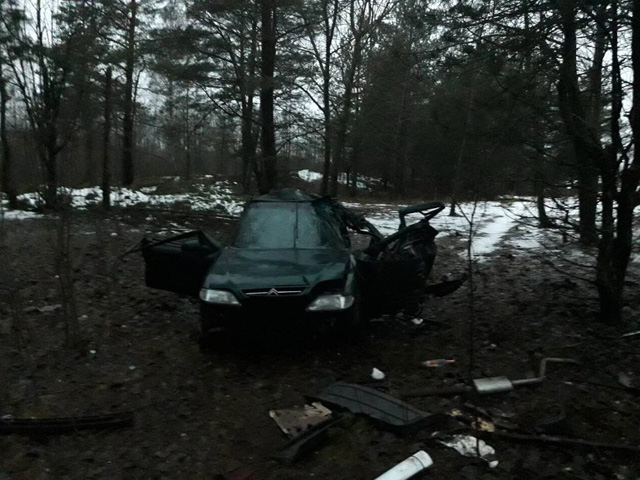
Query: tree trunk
point(50, 163)
point(249, 149)
point(187, 140)
point(620, 181)
point(343, 123)
point(106, 167)
point(7, 185)
point(538, 188)
point(247, 92)
point(587, 198)
point(587, 148)
point(401, 143)
point(610, 272)
point(326, 103)
point(268, 11)
point(462, 151)
point(128, 116)
point(89, 164)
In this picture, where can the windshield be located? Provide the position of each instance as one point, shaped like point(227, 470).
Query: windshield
point(285, 225)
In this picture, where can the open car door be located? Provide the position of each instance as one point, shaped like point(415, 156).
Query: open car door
point(394, 268)
point(179, 264)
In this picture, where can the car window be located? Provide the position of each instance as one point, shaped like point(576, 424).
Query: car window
point(285, 225)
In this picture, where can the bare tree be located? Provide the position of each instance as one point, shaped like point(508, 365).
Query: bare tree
point(365, 16)
point(267, 67)
point(619, 171)
point(128, 117)
point(324, 55)
point(41, 64)
point(106, 141)
point(7, 183)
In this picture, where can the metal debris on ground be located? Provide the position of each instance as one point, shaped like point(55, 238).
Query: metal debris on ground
point(409, 467)
point(295, 421)
point(45, 309)
point(491, 385)
point(634, 390)
point(625, 380)
point(631, 334)
point(470, 446)
point(553, 421)
point(484, 425)
point(568, 441)
point(488, 386)
point(438, 362)
point(306, 442)
point(481, 421)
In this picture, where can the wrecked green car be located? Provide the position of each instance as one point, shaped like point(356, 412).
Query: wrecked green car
point(291, 263)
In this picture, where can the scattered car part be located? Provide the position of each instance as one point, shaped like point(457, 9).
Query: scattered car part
point(469, 446)
point(566, 441)
point(437, 392)
point(635, 390)
point(475, 421)
point(625, 380)
point(390, 411)
point(295, 421)
point(553, 422)
point(45, 309)
point(495, 418)
point(490, 385)
point(65, 424)
point(630, 334)
point(305, 442)
point(438, 362)
point(409, 467)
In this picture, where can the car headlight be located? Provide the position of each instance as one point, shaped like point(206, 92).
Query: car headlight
point(331, 301)
point(220, 297)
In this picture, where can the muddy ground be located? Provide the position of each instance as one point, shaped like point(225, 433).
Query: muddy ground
point(204, 414)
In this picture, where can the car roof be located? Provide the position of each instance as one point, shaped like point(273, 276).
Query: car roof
point(286, 195)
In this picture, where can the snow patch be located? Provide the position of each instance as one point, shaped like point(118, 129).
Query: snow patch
point(19, 215)
point(311, 176)
point(217, 196)
point(496, 224)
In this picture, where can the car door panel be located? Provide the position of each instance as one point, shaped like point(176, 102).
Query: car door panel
point(179, 264)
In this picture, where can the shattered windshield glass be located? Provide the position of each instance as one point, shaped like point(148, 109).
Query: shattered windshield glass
point(285, 225)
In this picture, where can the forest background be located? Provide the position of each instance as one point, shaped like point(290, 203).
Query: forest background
point(444, 100)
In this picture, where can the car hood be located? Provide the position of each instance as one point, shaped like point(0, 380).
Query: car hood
point(242, 269)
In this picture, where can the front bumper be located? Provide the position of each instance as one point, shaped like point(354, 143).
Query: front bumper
point(258, 314)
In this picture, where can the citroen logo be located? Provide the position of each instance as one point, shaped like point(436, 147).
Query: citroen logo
point(273, 291)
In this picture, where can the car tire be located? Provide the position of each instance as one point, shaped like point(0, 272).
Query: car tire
point(211, 340)
point(355, 322)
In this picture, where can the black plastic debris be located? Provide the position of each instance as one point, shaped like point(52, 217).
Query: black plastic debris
point(305, 442)
point(392, 412)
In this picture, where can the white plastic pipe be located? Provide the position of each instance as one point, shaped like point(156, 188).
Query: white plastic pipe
point(408, 468)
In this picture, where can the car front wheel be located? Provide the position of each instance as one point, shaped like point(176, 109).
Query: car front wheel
point(211, 337)
point(354, 323)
